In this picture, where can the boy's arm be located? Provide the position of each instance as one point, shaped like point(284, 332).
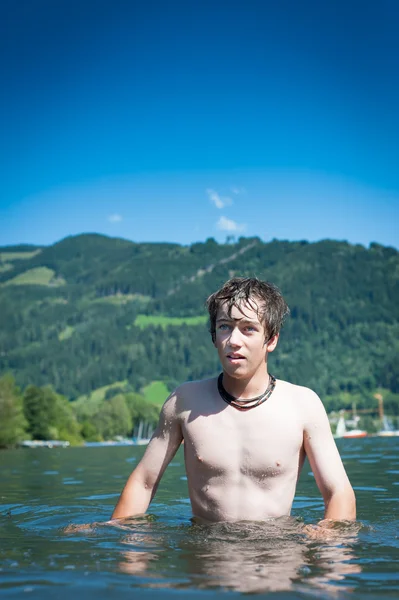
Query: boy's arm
point(326, 463)
point(143, 482)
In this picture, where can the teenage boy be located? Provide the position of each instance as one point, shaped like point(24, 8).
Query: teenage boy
point(245, 433)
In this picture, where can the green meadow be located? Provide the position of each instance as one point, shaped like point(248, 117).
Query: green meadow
point(144, 321)
point(36, 276)
point(90, 402)
point(156, 392)
point(5, 267)
point(66, 333)
point(120, 299)
point(7, 256)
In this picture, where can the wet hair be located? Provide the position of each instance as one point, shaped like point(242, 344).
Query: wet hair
point(262, 296)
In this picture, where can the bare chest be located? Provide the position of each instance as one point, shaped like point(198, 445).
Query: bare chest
point(259, 442)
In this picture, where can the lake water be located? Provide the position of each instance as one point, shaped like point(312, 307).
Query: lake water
point(165, 555)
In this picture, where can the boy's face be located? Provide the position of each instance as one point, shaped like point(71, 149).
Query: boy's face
point(241, 340)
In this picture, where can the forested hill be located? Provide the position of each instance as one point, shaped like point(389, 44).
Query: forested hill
point(92, 310)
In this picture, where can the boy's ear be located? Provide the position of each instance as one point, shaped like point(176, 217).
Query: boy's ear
point(272, 343)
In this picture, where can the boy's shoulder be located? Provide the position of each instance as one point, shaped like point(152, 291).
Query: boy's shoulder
point(301, 401)
point(298, 393)
point(190, 392)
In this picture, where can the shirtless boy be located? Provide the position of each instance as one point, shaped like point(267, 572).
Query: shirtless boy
point(245, 434)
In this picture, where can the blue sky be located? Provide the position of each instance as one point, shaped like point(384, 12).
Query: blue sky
point(182, 120)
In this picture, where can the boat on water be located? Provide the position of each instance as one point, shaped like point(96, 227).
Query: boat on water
point(342, 432)
point(141, 441)
point(44, 444)
point(142, 434)
point(355, 433)
point(387, 429)
point(110, 443)
point(138, 438)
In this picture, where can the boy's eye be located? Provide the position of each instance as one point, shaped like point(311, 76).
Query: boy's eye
point(250, 329)
point(223, 327)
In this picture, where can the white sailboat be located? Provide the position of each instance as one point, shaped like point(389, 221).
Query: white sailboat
point(387, 429)
point(342, 432)
point(341, 427)
point(144, 434)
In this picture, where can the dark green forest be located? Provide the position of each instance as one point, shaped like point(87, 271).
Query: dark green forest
point(68, 314)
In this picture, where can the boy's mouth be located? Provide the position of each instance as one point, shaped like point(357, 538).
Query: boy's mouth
point(234, 356)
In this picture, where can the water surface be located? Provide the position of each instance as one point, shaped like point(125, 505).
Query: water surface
point(166, 555)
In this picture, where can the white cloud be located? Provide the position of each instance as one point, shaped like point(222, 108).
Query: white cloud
point(219, 201)
point(238, 190)
point(226, 224)
point(115, 218)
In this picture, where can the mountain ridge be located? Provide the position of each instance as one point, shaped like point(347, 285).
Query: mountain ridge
point(77, 331)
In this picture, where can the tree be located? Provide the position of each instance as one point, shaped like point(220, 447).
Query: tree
point(89, 432)
point(113, 418)
point(12, 421)
point(142, 410)
point(39, 409)
point(49, 415)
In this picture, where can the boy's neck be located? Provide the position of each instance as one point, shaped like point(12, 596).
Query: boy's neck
point(248, 388)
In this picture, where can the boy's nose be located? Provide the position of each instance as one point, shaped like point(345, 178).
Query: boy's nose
point(235, 338)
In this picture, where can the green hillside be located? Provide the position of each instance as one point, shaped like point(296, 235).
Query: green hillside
point(10, 254)
point(91, 310)
point(35, 276)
